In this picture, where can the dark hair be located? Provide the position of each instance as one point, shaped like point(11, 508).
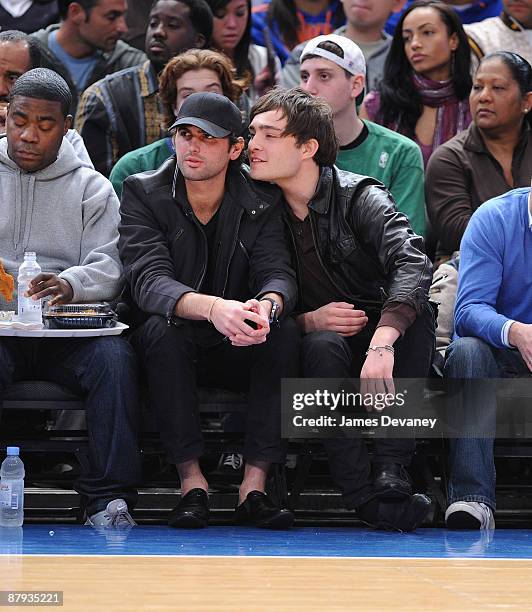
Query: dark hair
point(306, 117)
point(43, 84)
point(198, 59)
point(241, 56)
point(200, 17)
point(86, 5)
point(520, 70)
point(15, 36)
point(400, 102)
point(284, 14)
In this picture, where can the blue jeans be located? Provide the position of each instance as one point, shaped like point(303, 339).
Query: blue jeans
point(103, 371)
point(472, 466)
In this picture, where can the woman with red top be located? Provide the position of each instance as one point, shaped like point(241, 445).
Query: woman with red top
point(425, 88)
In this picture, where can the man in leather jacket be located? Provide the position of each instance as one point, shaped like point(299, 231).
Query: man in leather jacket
point(363, 287)
point(207, 261)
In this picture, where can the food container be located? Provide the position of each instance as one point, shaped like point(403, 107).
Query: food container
point(79, 316)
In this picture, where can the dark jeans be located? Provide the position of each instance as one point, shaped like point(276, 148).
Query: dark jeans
point(176, 365)
point(329, 355)
point(104, 372)
point(472, 466)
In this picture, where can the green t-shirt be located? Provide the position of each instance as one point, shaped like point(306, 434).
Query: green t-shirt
point(150, 157)
point(397, 162)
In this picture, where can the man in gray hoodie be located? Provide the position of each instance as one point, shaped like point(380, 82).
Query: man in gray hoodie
point(54, 204)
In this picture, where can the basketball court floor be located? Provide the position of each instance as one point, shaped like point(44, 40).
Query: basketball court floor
point(238, 569)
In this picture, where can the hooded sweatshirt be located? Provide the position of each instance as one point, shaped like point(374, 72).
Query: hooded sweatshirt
point(68, 215)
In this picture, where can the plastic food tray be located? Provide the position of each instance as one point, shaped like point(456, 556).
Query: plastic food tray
point(64, 333)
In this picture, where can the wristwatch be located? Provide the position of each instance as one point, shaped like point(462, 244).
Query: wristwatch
point(274, 313)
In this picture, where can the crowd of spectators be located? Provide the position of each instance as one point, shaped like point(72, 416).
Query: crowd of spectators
point(283, 179)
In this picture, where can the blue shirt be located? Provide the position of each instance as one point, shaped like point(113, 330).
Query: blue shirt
point(311, 26)
point(79, 69)
point(495, 277)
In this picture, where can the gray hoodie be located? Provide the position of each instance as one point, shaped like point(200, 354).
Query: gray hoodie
point(68, 214)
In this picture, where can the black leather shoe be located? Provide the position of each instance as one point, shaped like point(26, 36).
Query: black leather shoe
point(258, 510)
point(192, 511)
point(403, 515)
point(391, 481)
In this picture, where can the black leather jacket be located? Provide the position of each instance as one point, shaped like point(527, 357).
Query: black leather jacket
point(164, 249)
point(367, 248)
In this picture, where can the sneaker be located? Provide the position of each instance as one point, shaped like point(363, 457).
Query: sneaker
point(469, 515)
point(115, 515)
point(230, 466)
point(231, 461)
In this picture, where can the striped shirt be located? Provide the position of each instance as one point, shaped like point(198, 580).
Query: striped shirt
point(120, 113)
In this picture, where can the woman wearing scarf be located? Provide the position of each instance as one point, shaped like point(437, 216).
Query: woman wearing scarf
point(425, 88)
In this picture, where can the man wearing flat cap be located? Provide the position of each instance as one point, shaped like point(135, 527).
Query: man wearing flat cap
point(208, 266)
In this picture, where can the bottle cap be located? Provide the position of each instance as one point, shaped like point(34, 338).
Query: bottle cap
point(13, 451)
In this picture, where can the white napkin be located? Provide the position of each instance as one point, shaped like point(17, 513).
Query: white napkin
point(14, 324)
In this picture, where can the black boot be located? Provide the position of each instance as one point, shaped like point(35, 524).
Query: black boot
point(403, 515)
point(391, 481)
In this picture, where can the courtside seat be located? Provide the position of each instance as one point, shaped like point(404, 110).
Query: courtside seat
point(46, 395)
point(221, 400)
point(39, 395)
point(218, 408)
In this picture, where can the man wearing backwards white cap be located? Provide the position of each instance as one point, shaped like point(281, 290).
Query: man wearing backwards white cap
point(333, 68)
point(365, 21)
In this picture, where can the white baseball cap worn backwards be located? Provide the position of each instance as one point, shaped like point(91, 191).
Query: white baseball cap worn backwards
point(353, 60)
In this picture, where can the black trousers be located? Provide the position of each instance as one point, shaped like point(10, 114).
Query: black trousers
point(176, 365)
point(329, 355)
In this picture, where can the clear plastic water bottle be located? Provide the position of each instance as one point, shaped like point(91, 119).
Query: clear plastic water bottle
point(29, 311)
point(11, 541)
point(12, 489)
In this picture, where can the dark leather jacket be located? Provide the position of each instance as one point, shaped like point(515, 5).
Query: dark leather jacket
point(367, 248)
point(164, 249)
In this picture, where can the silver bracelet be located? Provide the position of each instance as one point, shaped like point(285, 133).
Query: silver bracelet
point(210, 309)
point(386, 347)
